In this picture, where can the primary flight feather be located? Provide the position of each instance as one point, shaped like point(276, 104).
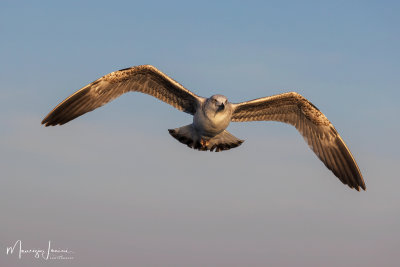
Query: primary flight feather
point(211, 116)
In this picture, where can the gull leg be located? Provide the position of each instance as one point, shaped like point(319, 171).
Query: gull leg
point(204, 143)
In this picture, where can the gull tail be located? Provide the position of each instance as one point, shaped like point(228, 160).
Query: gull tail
point(188, 136)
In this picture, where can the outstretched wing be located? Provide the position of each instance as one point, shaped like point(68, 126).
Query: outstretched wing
point(145, 79)
point(315, 128)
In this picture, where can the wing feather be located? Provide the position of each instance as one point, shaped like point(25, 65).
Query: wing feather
point(316, 129)
point(145, 79)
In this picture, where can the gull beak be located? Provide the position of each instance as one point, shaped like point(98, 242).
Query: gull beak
point(221, 107)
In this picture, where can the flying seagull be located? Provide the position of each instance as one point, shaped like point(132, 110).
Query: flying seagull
point(211, 116)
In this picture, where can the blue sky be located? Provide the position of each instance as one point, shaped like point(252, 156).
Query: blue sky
point(117, 189)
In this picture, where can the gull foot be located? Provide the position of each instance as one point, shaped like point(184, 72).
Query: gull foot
point(204, 143)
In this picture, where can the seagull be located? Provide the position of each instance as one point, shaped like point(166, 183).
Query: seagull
point(211, 116)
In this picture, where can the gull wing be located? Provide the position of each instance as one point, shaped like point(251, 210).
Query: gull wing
point(145, 79)
point(315, 128)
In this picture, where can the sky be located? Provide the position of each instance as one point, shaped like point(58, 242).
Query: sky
point(113, 187)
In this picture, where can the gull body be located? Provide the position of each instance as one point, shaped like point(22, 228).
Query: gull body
point(213, 117)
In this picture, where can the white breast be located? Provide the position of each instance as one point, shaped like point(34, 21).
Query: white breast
point(211, 123)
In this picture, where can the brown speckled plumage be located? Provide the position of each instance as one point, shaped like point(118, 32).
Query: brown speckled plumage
point(145, 79)
point(315, 128)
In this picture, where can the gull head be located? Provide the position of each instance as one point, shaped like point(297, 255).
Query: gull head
point(216, 103)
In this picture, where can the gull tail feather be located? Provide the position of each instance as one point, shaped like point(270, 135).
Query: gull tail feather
point(188, 136)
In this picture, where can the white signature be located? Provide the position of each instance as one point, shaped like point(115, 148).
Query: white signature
point(46, 254)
